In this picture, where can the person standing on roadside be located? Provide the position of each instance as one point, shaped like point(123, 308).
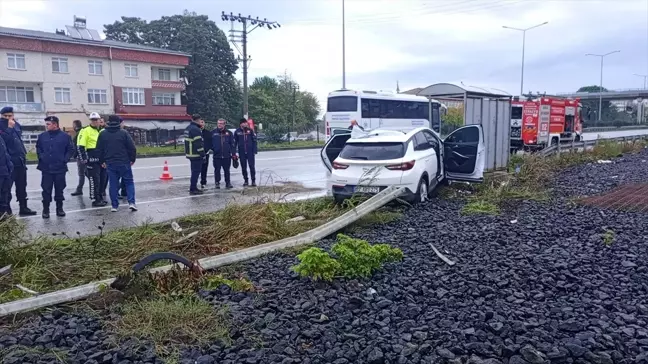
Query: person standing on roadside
point(117, 153)
point(81, 167)
point(6, 180)
point(11, 132)
point(207, 140)
point(54, 149)
point(89, 155)
point(223, 153)
point(103, 174)
point(246, 143)
point(194, 151)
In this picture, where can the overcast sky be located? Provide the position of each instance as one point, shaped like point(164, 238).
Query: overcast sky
point(415, 42)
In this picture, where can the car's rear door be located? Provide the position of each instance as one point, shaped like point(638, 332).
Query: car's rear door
point(464, 154)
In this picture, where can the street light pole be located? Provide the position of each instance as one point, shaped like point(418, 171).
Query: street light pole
point(523, 30)
point(601, 81)
point(645, 77)
point(343, 49)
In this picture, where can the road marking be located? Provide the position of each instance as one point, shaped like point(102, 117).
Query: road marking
point(144, 203)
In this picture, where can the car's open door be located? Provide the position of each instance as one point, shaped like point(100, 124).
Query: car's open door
point(464, 154)
point(333, 147)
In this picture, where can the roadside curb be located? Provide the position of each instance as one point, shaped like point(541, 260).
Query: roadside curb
point(163, 155)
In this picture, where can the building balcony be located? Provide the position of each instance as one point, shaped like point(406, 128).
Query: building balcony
point(26, 107)
point(169, 85)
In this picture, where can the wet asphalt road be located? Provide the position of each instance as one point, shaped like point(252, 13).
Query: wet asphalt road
point(164, 200)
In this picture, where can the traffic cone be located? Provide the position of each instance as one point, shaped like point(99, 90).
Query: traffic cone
point(166, 175)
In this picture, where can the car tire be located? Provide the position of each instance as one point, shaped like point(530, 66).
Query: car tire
point(339, 200)
point(422, 192)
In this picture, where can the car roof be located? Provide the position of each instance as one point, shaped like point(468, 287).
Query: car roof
point(388, 135)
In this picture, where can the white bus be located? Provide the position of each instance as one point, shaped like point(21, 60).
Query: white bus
point(385, 110)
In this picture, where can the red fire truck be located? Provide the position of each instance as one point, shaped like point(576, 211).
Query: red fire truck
point(545, 120)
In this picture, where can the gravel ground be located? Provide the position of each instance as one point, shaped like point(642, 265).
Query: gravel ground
point(535, 285)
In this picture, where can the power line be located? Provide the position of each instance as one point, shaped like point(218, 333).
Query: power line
point(240, 37)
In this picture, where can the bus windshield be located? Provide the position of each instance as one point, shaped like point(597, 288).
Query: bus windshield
point(342, 104)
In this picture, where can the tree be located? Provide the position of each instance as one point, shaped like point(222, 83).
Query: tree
point(272, 102)
point(212, 89)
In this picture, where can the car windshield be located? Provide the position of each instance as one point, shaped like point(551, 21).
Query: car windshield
point(373, 151)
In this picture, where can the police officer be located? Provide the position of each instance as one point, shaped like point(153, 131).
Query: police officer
point(246, 143)
point(223, 150)
point(87, 148)
point(11, 132)
point(207, 140)
point(194, 151)
point(81, 167)
point(103, 172)
point(6, 180)
point(54, 149)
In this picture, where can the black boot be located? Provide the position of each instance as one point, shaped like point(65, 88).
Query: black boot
point(59, 209)
point(24, 210)
point(78, 192)
point(217, 185)
point(245, 184)
point(46, 211)
point(253, 183)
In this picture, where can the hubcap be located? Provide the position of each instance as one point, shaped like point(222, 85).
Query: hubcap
point(423, 192)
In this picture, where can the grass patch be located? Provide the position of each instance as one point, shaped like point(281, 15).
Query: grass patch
point(531, 176)
point(171, 322)
point(608, 237)
point(55, 355)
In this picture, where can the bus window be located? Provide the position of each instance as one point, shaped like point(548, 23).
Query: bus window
point(342, 104)
point(436, 120)
point(364, 105)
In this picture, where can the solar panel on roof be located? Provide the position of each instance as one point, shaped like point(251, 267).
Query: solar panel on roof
point(73, 32)
point(85, 34)
point(94, 34)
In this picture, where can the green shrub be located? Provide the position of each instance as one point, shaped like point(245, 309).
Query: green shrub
point(316, 264)
point(353, 258)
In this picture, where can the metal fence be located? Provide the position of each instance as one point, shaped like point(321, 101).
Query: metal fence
point(585, 144)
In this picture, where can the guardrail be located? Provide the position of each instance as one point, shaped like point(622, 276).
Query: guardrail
point(584, 144)
point(597, 129)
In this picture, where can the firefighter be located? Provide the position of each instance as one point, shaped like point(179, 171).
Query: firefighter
point(223, 153)
point(11, 132)
point(54, 149)
point(87, 148)
point(207, 140)
point(81, 167)
point(6, 180)
point(246, 143)
point(194, 151)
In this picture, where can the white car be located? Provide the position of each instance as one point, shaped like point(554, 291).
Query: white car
point(418, 159)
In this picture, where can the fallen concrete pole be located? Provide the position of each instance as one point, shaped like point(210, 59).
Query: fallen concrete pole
point(320, 232)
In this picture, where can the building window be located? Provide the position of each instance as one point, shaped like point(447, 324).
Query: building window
point(164, 74)
point(133, 96)
point(16, 61)
point(96, 96)
point(95, 67)
point(160, 98)
point(59, 65)
point(62, 95)
point(130, 70)
point(11, 94)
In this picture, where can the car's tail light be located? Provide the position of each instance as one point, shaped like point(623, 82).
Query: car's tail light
point(401, 167)
point(337, 165)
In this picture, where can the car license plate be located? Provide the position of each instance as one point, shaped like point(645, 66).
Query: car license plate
point(367, 189)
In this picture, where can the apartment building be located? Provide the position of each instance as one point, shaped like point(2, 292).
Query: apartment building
point(73, 72)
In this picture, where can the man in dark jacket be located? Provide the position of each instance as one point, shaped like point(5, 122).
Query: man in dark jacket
point(54, 149)
point(117, 153)
point(207, 140)
point(6, 180)
point(194, 151)
point(223, 148)
point(11, 132)
point(81, 167)
point(246, 143)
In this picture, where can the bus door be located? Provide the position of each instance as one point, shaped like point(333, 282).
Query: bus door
point(370, 114)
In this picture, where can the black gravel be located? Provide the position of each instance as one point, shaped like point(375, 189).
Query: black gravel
point(534, 285)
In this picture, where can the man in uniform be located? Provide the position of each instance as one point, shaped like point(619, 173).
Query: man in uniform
point(207, 140)
point(81, 168)
point(54, 149)
point(194, 151)
point(223, 150)
point(246, 143)
point(6, 180)
point(87, 147)
point(11, 132)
